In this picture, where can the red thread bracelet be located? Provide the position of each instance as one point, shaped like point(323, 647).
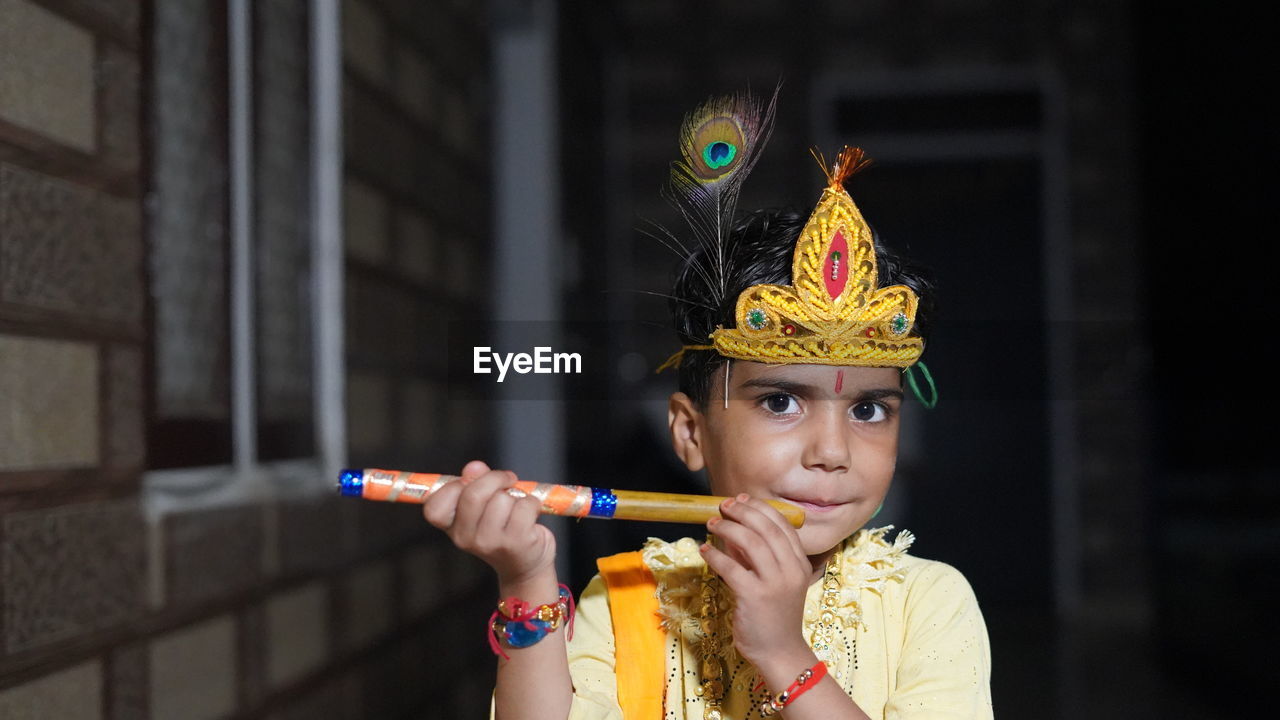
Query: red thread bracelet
point(800, 686)
point(535, 622)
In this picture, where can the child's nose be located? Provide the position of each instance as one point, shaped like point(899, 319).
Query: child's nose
point(827, 447)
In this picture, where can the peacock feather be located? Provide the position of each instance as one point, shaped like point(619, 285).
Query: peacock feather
point(720, 142)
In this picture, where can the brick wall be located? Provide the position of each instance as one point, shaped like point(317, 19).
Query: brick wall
point(415, 89)
point(284, 607)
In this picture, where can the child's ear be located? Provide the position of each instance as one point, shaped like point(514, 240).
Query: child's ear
point(685, 421)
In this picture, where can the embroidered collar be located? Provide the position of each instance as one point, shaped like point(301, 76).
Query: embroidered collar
point(869, 563)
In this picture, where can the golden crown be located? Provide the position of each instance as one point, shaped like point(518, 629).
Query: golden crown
point(834, 312)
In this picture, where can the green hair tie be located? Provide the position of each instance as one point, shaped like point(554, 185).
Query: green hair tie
point(915, 388)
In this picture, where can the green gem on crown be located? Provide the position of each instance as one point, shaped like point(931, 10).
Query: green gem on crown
point(899, 324)
point(756, 319)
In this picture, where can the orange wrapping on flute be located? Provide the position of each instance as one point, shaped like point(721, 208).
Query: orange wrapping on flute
point(414, 487)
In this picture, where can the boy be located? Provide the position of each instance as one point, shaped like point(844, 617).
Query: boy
point(795, 398)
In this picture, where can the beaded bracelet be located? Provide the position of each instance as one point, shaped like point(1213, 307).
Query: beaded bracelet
point(803, 682)
point(519, 625)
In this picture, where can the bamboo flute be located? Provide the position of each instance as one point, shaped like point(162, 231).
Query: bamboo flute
point(566, 500)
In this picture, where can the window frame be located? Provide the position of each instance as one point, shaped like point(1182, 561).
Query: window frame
point(246, 477)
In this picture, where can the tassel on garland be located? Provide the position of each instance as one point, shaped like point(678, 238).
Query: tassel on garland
point(849, 162)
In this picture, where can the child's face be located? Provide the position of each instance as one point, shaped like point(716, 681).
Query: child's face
point(822, 437)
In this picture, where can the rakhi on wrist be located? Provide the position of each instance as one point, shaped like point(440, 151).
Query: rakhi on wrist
point(566, 500)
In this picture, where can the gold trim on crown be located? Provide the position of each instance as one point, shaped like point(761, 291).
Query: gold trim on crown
point(833, 313)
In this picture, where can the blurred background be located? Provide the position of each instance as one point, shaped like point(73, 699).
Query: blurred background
point(237, 237)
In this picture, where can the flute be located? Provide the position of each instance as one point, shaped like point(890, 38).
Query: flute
point(566, 500)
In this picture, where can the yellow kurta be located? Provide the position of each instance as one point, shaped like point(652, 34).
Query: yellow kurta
point(911, 644)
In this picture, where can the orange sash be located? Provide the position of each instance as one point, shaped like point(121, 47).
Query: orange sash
point(638, 636)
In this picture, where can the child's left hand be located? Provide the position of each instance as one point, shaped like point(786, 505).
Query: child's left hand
point(765, 566)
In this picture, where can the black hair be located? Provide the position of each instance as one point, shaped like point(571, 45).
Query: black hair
point(760, 248)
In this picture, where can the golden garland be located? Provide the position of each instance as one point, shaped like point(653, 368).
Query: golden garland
point(863, 561)
point(712, 621)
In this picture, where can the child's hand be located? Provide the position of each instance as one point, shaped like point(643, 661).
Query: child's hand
point(482, 518)
point(766, 568)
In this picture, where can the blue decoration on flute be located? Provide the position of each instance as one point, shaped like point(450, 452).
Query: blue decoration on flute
point(351, 483)
point(603, 502)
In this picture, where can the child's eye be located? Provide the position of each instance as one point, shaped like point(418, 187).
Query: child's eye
point(781, 404)
point(869, 412)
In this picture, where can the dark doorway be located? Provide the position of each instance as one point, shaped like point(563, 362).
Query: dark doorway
point(977, 486)
point(983, 467)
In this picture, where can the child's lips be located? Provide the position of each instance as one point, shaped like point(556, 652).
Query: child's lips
point(815, 506)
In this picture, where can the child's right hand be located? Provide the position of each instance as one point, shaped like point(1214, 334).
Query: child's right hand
point(482, 518)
